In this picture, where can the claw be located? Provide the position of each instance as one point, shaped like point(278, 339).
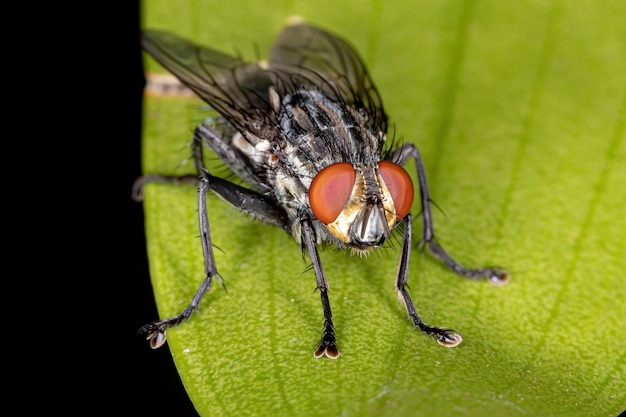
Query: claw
point(328, 349)
point(154, 335)
point(157, 339)
point(499, 277)
point(449, 339)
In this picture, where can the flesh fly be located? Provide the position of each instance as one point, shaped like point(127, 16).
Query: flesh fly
point(306, 130)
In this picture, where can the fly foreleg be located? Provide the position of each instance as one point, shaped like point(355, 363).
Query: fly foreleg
point(495, 276)
point(445, 337)
point(328, 345)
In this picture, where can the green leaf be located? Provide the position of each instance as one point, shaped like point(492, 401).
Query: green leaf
point(519, 109)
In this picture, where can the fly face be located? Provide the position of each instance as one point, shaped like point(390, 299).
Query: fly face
point(306, 131)
point(361, 205)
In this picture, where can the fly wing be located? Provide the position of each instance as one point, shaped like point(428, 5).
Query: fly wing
point(235, 89)
point(314, 57)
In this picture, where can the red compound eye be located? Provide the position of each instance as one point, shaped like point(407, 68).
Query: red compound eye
point(330, 190)
point(400, 186)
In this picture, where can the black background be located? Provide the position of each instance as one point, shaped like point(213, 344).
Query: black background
point(155, 388)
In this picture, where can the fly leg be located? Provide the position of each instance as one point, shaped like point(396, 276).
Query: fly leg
point(137, 193)
point(246, 200)
point(495, 276)
point(445, 337)
point(156, 332)
point(328, 345)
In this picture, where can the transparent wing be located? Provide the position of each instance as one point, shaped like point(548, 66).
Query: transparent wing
point(236, 89)
point(323, 60)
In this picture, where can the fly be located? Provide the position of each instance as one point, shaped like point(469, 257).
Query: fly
point(306, 130)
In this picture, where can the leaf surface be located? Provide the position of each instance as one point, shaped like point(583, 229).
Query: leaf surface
point(519, 111)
